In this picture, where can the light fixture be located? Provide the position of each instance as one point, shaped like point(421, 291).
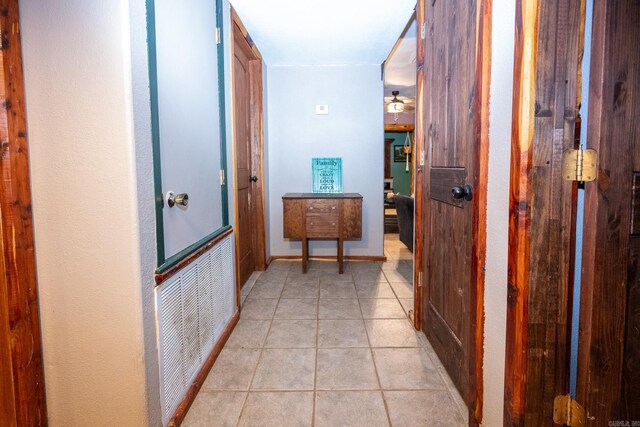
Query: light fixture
point(395, 106)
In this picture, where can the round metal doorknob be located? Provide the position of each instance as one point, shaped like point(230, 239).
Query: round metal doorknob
point(253, 178)
point(181, 199)
point(462, 192)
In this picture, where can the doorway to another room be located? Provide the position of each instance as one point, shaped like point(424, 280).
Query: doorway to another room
point(399, 124)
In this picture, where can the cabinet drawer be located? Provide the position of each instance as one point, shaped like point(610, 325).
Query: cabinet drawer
point(323, 226)
point(323, 206)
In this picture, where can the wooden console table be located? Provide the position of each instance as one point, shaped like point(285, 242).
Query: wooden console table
point(322, 216)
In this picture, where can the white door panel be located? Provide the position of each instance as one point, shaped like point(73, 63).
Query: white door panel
point(188, 109)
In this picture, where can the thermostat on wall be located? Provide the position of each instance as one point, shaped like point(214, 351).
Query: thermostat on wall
point(322, 109)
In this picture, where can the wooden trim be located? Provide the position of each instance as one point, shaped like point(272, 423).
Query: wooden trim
point(518, 269)
point(235, 19)
point(543, 126)
point(396, 127)
point(257, 149)
point(163, 276)
point(479, 216)
point(196, 385)
point(419, 144)
point(7, 397)
point(347, 257)
point(20, 331)
point(257, 162)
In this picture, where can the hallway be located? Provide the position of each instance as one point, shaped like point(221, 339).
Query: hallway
point(328, 350)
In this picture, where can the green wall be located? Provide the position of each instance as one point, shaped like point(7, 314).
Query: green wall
point(401, 178)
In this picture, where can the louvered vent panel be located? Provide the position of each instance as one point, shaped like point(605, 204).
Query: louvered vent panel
point(228, 288)
point(191, 337)
point(170, 329)
point(194, 308)
point(205, 306)
point(218, 291)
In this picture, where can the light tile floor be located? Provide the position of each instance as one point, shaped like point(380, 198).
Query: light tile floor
point(323, 349)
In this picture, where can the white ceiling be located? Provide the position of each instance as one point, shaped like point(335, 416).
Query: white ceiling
point(324, 32)
point(400, 68)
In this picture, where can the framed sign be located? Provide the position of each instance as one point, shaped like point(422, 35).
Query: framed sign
point(399, 155)
point(327, 174)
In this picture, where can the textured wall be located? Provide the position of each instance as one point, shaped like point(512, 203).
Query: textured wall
point(353, 130)
point(495, 299)
point(87, 109)
point(401, 178)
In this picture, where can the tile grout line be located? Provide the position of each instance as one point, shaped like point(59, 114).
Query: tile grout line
point(315, 367)
point(246, 399)
point(375, 368)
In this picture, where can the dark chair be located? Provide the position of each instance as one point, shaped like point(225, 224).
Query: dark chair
point(404, 209)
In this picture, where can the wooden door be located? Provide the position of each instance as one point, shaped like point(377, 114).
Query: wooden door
point(245, 226)
point(609, 340)
point(22, 393)
point(449, 75)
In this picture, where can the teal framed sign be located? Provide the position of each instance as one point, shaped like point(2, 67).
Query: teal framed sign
point(327, 174)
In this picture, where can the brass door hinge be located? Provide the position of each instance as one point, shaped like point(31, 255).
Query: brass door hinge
point(579, 165)
point(221, 176)
point(419, 279)
point(218, 35)
point(568, 411)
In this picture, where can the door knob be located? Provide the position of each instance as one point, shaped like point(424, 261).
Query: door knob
point(253, 178)
point(462, 192)
point(181, 199)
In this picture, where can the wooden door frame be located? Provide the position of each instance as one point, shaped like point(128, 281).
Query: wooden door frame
point(481, 162)
point(22, 380)
point(257, 150)
point(541, 206)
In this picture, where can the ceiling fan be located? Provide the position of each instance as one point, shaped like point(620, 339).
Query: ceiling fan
point(396, 104)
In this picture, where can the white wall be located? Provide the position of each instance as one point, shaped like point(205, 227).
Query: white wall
point(495, 295)
point(88, 124)
point(353, 130)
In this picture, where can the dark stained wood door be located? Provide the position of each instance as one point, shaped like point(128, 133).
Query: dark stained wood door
point(245, 226)
point(609, 340)
point(449, 76)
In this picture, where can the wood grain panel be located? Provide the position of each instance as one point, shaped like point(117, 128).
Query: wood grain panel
point(630, 408)
point(443, 180)
point(479, 216)
point(545, 109)
point(635, 205)
point(294, 219)
point(451, 51)
point(19, 278)
point(609, 335)
point(352, 218)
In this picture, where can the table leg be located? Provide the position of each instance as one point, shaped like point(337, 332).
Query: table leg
point(340, 257)
point(305, 254)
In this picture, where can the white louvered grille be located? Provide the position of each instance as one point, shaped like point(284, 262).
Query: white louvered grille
point(193, 308)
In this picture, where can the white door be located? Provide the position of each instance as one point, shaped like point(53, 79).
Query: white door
point(188, 119)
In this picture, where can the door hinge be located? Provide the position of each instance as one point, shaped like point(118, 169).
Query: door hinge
point(221, 176)
point(419, 279)
point(218, 36)
point(568, 411)
point(423, 30)
point(579, 165)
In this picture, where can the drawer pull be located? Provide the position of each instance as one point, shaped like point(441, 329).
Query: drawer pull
point(310, 208)
point(333, 208)
point(333, 223)
point(311, 223)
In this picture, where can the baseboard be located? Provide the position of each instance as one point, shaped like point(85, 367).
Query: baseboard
point(184, 406)
point(347, 257)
